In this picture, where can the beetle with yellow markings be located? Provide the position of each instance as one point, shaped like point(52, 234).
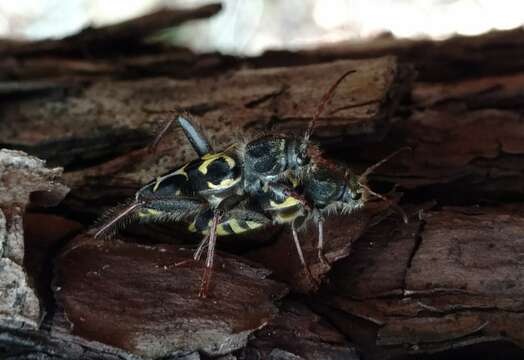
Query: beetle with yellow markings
point(275, 179)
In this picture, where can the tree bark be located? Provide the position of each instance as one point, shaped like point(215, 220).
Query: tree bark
point(449, 279)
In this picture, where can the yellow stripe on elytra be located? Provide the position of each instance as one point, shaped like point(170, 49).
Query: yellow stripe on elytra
point(209, 158)
point(235, 226)
point(224, 184)
point(148, 212)
point(289, 202)
point(157, 183)
point(221, 230)
point(182, 171)
point(253, 224)
point(286, 218)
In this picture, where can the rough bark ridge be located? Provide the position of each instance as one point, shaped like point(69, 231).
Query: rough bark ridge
point(22, 178)
point(450, 280)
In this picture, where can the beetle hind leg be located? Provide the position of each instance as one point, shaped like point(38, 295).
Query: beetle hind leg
point(208, 270)
point(195, 136)
point(197, 255)
point(201, 247)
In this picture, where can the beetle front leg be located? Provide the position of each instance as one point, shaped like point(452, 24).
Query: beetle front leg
point(301, 254)
point(320, 244)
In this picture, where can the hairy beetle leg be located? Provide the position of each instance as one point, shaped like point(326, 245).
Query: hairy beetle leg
point(320, 245)
point(208, 271)
point(195, 136)
point(197, 255)
point(301, 255)
point(200, 249)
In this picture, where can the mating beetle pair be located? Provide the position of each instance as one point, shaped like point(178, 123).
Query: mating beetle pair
point(272, 179)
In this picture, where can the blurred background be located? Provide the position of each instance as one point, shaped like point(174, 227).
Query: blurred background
point(250, 27)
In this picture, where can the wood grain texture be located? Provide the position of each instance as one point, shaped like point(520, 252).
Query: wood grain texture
point(458, 281)
point(134, 297)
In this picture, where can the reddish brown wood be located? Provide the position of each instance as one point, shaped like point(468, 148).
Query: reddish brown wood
point(147, 305)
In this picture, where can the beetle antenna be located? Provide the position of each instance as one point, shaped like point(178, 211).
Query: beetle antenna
point(325, 99)
point(397, 208)
point(369, 170)
point(362, 181)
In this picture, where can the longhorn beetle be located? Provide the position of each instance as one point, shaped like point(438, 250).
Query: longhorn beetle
point(326, 189)
point(279, 174)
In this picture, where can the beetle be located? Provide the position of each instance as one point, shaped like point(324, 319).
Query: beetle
point(280, 176)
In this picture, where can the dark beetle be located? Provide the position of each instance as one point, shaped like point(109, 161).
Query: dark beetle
point(274, 178)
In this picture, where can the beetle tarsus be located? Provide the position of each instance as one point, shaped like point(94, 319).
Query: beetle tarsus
point(301, 255)
point(208, 271)
point(320, 245)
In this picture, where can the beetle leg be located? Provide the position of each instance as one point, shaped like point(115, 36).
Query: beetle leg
point(211, 244)
point(320, 244)
point(195, 136)
point(200, 250)
point(118, 218)
point(208, 271)
point(197, 255)
point(158, 208)
point(301, 254)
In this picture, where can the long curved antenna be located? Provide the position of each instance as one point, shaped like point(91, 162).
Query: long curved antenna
point(362, 181)
point(401, 212)
point(325, 99)
point(369, 170)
